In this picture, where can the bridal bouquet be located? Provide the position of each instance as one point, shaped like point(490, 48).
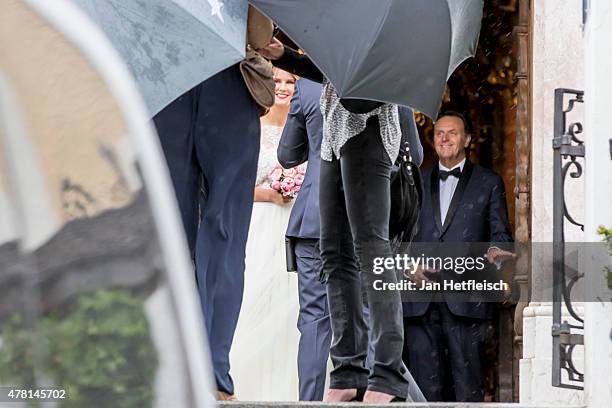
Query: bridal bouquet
point(287, 181)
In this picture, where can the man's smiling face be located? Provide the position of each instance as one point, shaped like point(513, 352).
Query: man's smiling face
point(450, 140)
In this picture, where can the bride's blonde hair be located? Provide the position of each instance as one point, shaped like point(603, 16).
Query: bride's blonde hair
point(275, 70)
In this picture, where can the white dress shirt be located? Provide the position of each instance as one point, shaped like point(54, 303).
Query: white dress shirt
point(447, 189)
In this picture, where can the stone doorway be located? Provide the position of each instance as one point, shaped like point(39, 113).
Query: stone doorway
point(493, 90)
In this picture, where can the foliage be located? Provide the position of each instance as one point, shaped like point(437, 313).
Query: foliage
point(102, 353)
point(606, 234)
point(16, 357)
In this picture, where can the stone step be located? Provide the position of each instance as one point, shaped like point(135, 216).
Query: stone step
point(246, 404)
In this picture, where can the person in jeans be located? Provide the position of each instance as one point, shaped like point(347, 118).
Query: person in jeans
point(361, 141)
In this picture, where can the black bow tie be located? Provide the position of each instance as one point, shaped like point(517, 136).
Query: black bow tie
point(456, 172)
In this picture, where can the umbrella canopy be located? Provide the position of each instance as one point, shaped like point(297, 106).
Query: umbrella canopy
point(172, 45)
point(398, 51)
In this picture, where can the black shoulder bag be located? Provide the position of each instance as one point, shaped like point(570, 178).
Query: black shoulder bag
point(406, 198)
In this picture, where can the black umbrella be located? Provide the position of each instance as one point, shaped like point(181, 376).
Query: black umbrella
point(398, 51)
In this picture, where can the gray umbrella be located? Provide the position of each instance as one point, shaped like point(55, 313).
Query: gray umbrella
point(172, 45)
point(398, 51)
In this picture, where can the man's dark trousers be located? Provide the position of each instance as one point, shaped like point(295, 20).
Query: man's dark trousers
point(427, 339)
point(210, 137)
point(313, 321)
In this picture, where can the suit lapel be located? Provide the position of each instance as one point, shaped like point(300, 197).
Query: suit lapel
point(434, 190)
point(461, 185)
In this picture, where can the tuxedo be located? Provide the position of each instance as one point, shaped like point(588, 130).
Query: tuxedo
point(476, 211)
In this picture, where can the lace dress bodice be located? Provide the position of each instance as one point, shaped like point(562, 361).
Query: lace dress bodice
point(270, 138)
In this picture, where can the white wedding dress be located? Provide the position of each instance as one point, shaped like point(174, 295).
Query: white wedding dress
point(264, 352)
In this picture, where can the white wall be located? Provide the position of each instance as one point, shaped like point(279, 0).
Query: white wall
point(598, 197)
point(558, 62)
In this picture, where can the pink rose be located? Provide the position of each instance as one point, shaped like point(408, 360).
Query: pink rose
point(287, 184)
point(276, 174)
point(290, 172)
point(276, 185)
point(299, 179)
point(302, 168)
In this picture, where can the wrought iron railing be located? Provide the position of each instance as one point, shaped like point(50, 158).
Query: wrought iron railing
point(568, 149)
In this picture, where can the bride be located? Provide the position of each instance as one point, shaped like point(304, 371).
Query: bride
point(264, 353)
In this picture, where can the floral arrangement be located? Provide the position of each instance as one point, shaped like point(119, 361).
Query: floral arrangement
point(287, 181)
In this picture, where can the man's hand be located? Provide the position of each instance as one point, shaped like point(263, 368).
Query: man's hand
point(272, 51)
point(420, 275)
point(498, 256)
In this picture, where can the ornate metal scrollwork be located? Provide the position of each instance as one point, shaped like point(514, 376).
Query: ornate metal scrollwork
point(568, 148)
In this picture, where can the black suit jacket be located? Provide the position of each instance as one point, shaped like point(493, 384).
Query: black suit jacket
point(477, 213)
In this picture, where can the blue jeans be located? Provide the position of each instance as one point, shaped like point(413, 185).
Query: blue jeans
point(355, 207)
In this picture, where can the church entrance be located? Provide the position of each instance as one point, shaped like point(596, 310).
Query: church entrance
point(492, 90)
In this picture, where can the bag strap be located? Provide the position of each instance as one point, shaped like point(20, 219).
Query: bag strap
point(405, 159)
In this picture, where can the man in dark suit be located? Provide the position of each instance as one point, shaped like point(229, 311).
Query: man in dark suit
point(300, 142)
point(462, 203)
point(210, 137)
